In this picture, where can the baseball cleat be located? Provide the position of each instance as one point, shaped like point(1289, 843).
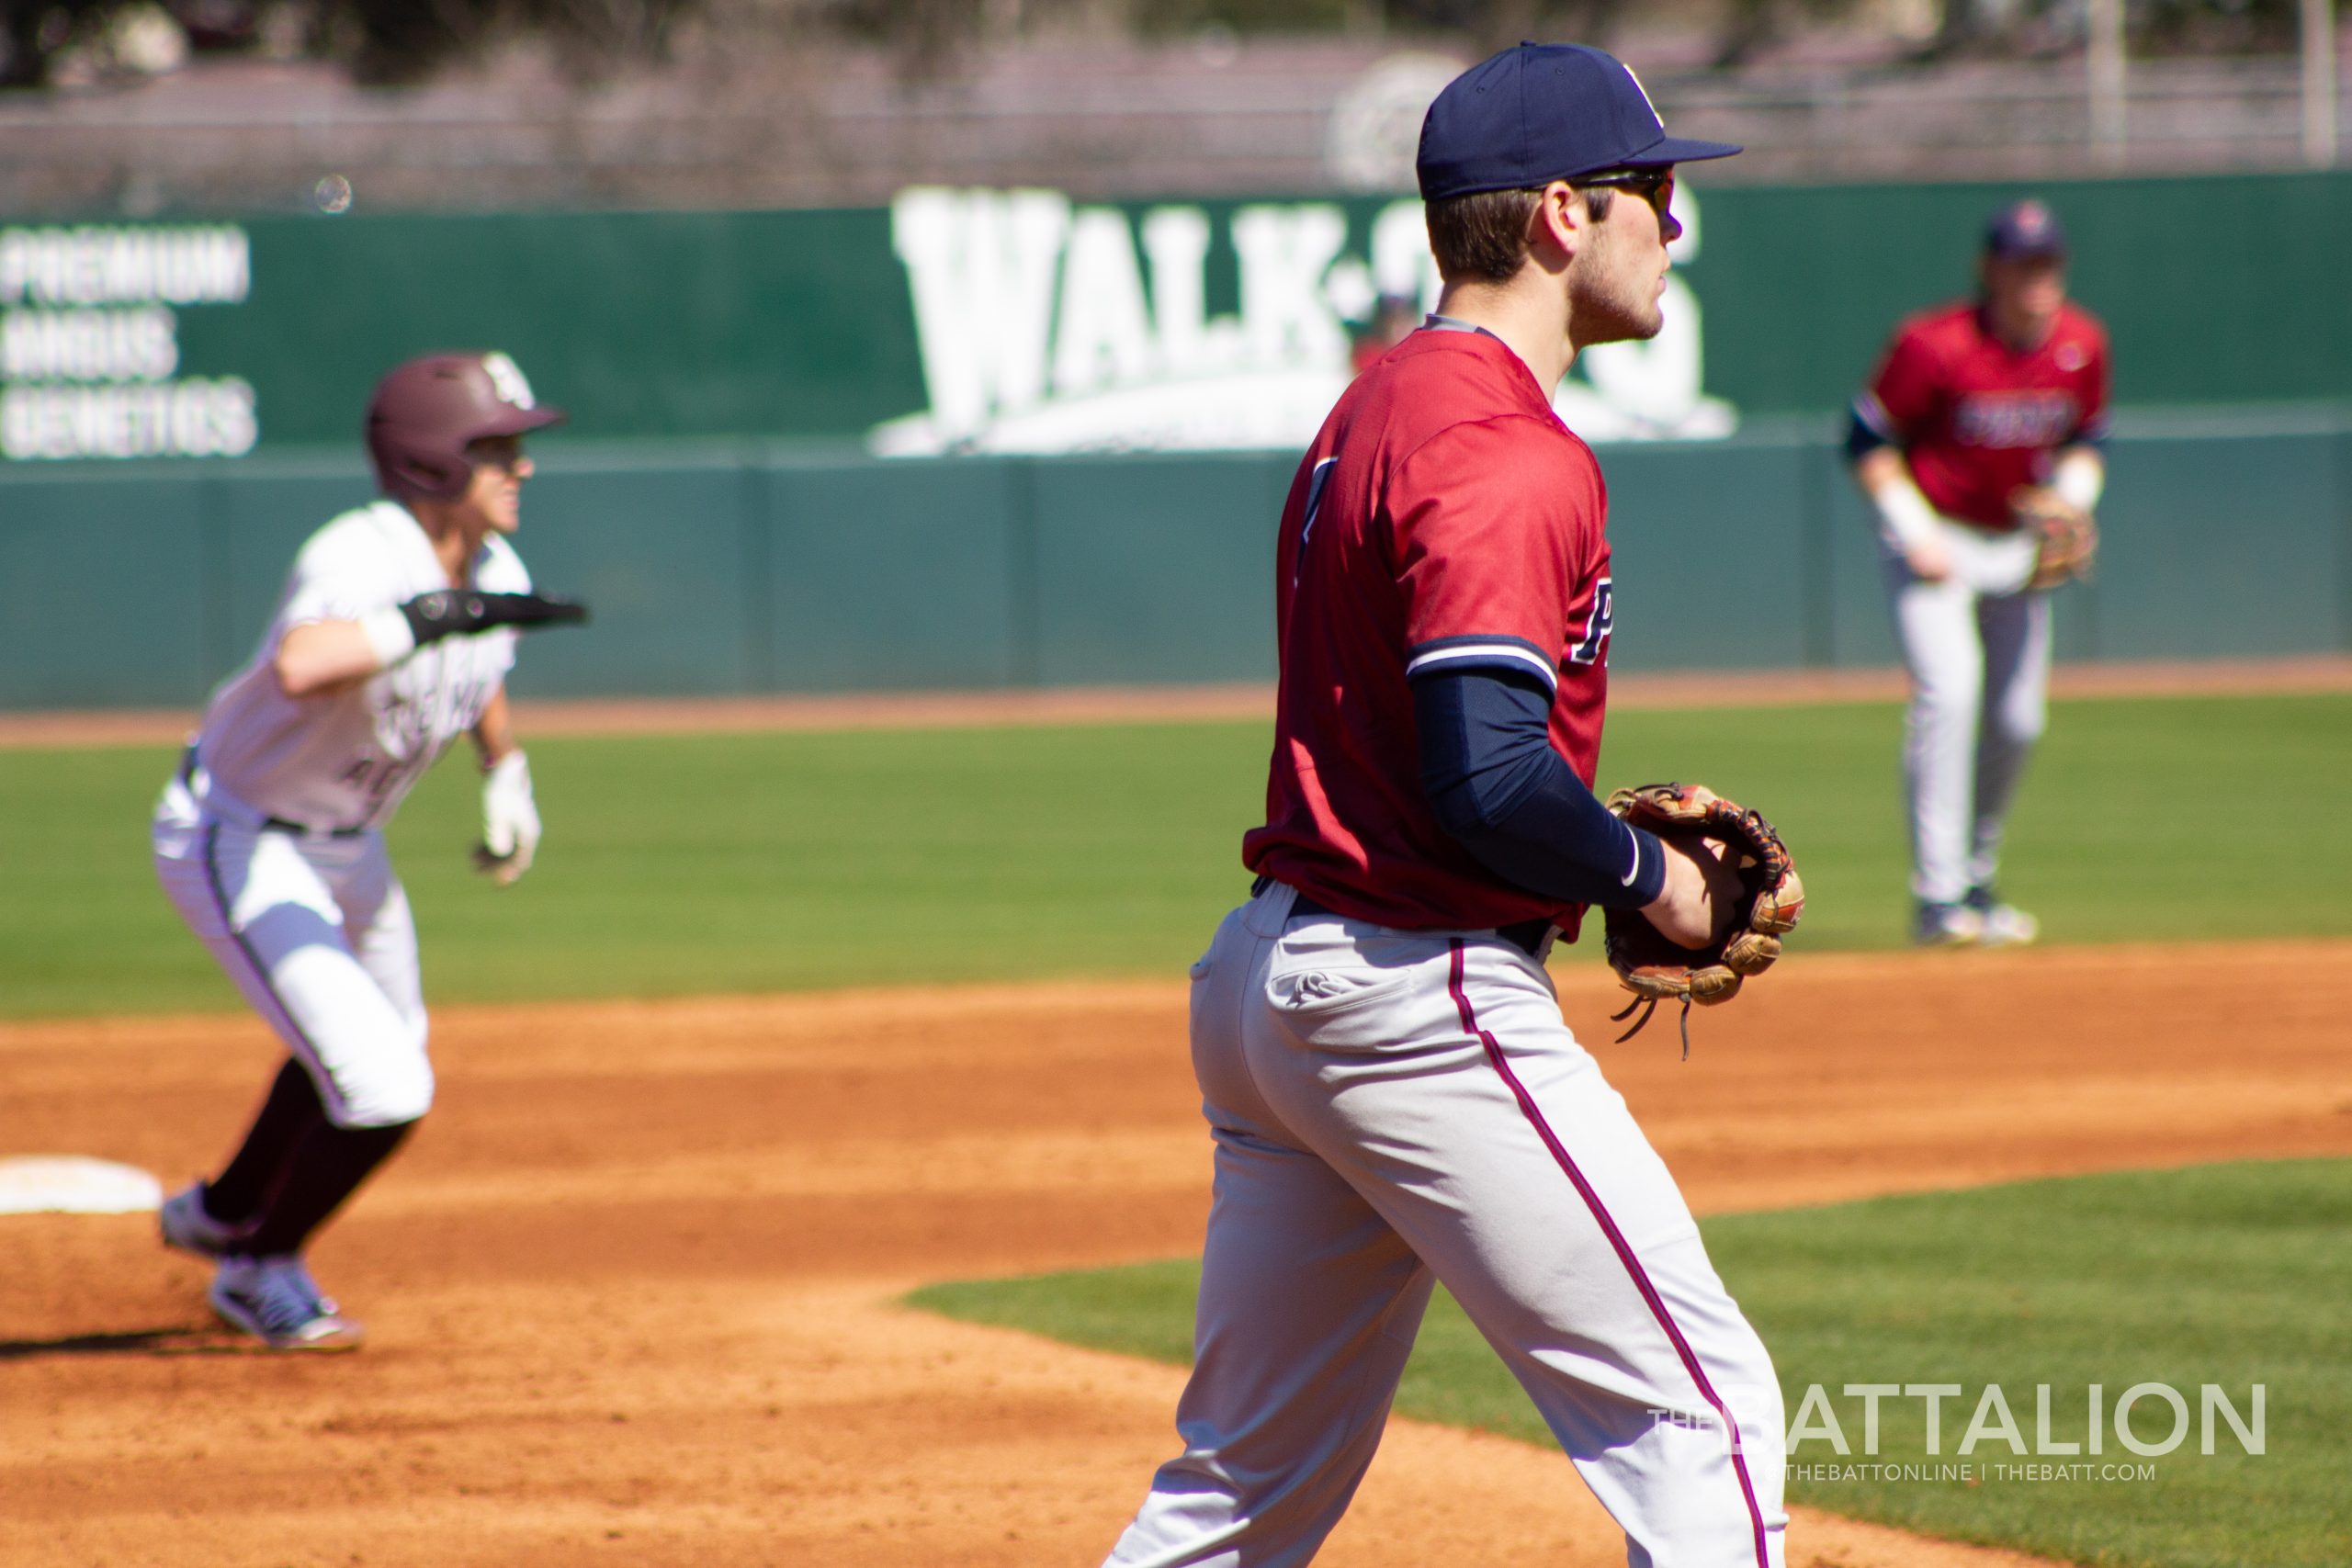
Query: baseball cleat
point(274, 1300)
point(1947, 925)
point(2001, 925)
point(188, 1227)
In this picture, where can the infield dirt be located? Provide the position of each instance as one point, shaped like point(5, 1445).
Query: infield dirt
point(632, 1287)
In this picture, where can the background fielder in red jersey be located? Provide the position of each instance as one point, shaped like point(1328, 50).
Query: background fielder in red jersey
point(1394, 1094)
point(1980, 411)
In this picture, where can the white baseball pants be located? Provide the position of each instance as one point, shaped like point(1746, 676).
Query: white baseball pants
point(1389, 1107)
point(316, 932)
point(1977, 647)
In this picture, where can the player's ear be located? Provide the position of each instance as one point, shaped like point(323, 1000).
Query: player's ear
point(1555, 229)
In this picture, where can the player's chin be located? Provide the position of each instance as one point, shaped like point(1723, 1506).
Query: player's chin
point(1632, 326)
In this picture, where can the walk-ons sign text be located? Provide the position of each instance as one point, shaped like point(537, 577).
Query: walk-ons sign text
point(1050, 327)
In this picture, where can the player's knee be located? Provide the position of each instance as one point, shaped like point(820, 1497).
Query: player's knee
point(1761, 1419)
point(387, 1092)
point(1948, 686)
point(2021, 724)
point(1943, 708)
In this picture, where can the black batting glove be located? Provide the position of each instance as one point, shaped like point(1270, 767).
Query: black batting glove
point(454, 612)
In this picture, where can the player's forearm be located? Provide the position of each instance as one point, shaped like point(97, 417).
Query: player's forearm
point(1881, 467)
point(1508, 798)
point(493, 734)
point(318, 657)
point(1904, 513)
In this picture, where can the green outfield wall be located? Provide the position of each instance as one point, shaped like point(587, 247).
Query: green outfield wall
point(733, 568)
point(1023, 320)
point(990, 437)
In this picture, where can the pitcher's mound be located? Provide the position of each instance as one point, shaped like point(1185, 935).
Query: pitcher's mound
point(75, 1184)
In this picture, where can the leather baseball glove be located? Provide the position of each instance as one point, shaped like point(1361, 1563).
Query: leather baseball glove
point(1772, 899)
point(2068, 536)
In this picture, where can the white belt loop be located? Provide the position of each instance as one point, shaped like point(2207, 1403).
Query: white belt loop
point(213, 800)
point(1270, 910)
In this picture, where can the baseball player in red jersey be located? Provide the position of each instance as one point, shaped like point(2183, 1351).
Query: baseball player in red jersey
point(1984, 414)
point(392, 639)
point(1394, 1096)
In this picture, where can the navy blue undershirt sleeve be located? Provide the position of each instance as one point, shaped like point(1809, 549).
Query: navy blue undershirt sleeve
point(1513, 801)
point(1861, 437)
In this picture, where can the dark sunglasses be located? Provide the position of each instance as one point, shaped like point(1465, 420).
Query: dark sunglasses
point(1652, 185)
point(495, 452)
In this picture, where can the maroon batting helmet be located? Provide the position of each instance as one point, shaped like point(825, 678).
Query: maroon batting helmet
point(426, 411)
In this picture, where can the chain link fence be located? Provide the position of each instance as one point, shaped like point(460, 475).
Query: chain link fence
point(837, 129)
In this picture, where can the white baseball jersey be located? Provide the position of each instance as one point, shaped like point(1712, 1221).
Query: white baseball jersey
point(345, 760)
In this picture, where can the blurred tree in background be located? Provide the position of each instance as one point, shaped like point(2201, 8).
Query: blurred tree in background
point(379, 40)
point(402, 40)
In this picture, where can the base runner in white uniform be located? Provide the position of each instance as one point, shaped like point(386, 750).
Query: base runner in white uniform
point(1394, 1095)
point(392, 639)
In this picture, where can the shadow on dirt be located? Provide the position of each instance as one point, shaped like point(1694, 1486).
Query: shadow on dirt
point(179, 1339)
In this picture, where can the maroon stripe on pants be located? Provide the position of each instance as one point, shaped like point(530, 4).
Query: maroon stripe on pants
point(1616, 1239)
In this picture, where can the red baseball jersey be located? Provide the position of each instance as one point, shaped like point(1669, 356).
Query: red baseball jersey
point(1978, 419)
point(1443, 517)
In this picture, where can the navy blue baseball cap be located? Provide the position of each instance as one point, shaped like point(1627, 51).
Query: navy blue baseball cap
point(2025, 228)
point(1544, 112)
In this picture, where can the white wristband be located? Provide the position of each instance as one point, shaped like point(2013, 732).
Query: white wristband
point(388, 633)
point(1904, 513)
point(2078, 479)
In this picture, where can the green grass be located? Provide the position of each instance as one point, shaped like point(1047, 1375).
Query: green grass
point(676, 866)
point(2232, 1275)
point(681, 864)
